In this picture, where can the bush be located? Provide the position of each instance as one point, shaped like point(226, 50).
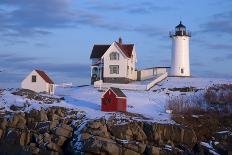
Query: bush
point(217, 98)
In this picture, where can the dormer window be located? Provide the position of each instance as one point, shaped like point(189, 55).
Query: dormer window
point(114, 56)
point(33, 78)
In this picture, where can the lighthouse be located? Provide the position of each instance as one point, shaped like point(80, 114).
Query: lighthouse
point(180, 52)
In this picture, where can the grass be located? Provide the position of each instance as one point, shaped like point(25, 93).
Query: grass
point(206, 112)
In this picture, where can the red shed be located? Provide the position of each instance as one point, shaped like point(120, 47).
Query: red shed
point(113, 100)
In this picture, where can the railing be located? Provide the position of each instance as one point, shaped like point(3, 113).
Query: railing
point(180, 33)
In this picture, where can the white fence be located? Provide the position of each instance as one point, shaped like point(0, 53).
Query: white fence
point(157, 80)
point(151, 72)
point(132, 86)
point(100, 84)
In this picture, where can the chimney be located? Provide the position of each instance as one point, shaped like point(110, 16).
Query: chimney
point(120, 40)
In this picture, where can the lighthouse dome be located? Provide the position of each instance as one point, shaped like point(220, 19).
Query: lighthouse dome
point(181, 30)
point(180, 25)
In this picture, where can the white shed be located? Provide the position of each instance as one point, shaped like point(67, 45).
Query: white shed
point(38, 81)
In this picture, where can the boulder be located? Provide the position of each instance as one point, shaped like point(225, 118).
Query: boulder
point(43, 127)
point(152, 150)
point(1, 133)
point(61, 140)
point(43, 115)
point(54, 147)
point(3, 123)
point(24, 138)
point(60, 131)
point(131, 131)
point(96, 124)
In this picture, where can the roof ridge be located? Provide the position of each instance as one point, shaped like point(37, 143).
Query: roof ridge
point(44, 76)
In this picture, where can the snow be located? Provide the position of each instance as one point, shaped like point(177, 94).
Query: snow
point(150, 104)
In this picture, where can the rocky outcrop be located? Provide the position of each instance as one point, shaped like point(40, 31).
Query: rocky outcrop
point(37, 132)
point(36, 96)
point(107, 137)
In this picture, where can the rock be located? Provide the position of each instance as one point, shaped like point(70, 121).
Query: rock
point(99, 145)
point(152, 150)
point(63, 132)
point(130, 152)
point(35, 150)
point(3, 123)
point(61, 140)
point(67, 127)
point(1, 133)
point(12, 137)
point(96, 123)
point(53, 124)
point(43, 115)
point(189, 137)
point(130, 131)
point(24, 138)
point(16, 108)
point(111, 148)
point(137, 147)
point(18, 121)
point(38, 138)
point(85, 136)
point(47, 138)
point(43, 127)
point(54, 147)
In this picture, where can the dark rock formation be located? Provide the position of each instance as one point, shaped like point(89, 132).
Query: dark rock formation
point(36, 132)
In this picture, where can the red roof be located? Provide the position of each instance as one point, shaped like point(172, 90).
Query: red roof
point(126, 49)
point(99, 50)
point(44, 76)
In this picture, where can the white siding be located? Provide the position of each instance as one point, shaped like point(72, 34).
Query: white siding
point(180, 56)
point(39, 86)
point(122, 62)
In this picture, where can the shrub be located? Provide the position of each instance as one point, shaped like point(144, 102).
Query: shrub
point(217, 98)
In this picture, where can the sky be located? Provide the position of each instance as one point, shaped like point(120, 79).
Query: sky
point(58, 35)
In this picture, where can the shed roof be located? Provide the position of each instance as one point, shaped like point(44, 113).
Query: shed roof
point(117, 92)
point(44, 76)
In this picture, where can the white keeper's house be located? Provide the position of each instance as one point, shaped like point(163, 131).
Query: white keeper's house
point(115, 63)
point(38, 81)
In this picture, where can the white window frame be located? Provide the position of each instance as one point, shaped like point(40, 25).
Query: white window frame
point(114, 56)
point(114, 69)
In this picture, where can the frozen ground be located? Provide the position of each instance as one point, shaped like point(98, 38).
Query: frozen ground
point(151, 103)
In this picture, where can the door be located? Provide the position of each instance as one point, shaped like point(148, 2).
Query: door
point(120, 104)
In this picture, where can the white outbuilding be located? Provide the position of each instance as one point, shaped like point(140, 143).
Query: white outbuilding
point(38, 81)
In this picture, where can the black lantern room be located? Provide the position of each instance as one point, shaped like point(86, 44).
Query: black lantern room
point(180, 30)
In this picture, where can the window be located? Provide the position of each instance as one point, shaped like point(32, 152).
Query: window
point(33, 78)
point(108, 101)
point(114, 56)
point(128, 68)
point(132, 58)
point(131, 70)
point(114, 69)
point(182, 71)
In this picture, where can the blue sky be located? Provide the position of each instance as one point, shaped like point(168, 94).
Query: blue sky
point(58, 35)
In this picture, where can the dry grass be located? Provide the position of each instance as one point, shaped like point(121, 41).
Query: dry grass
point(205, 112)
point(217, 98)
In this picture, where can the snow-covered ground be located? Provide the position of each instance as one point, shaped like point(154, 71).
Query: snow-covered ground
point(151, 103)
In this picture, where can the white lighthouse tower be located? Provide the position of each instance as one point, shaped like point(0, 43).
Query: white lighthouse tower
point(180, 51)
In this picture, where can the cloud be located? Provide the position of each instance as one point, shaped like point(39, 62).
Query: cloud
point(224, 58)
point(211, 45)
point(26, 18)
point(142, 7)
point(14, 68)
point(219, 23)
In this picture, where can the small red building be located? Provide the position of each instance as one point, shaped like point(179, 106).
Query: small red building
point(113, 100)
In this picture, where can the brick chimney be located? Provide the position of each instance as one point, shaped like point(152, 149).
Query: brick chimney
point(120, 40)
